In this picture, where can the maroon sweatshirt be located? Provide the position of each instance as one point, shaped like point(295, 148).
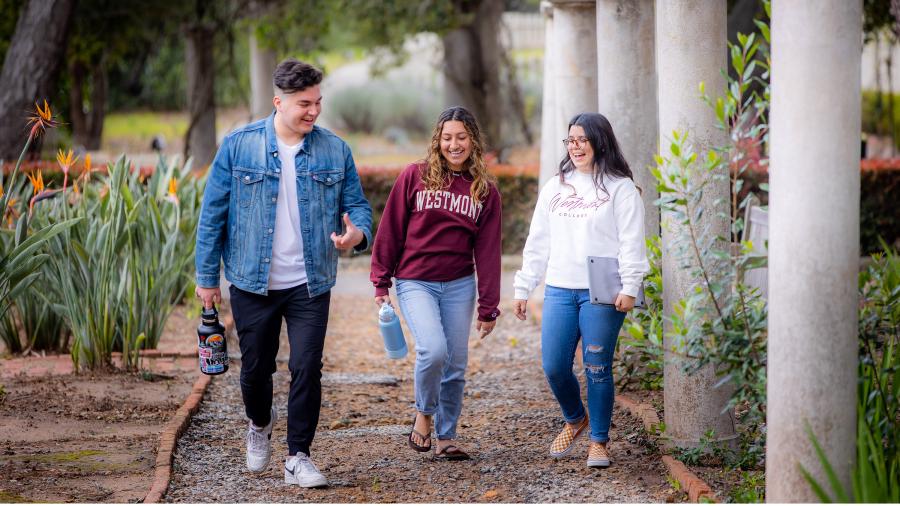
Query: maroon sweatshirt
point(439, 236)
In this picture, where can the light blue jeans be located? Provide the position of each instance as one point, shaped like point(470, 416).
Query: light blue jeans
point(439, 315)
point(569, 317)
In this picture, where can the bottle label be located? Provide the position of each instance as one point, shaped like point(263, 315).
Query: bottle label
point(213, 354)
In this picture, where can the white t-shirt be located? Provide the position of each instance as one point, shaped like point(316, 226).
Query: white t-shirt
point(287, 268)
point(573, 221)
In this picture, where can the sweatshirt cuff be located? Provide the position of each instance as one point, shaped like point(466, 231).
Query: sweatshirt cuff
point(521, 294)
point(381, 290)
point(631, 290)
point(488, 316)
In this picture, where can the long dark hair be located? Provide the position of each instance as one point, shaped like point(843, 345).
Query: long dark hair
point(608, 157)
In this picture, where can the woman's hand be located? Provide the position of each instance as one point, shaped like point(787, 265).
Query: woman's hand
point(520, 306)
point(624, 303)
point(485, 328)
point(381, 299)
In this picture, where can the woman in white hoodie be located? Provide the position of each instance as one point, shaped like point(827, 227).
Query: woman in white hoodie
point(592, 208)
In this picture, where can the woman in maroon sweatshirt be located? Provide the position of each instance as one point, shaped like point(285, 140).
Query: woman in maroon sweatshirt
point(440, 226)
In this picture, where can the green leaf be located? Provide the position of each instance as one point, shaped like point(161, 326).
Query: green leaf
point(21, 229)
point(22, 285)
point(764, 29)
point(836, 486)
point(26, 248)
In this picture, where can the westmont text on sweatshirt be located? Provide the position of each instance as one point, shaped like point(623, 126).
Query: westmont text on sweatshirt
point(439, 236)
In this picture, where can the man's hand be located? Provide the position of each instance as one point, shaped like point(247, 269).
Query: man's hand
point(484, 328)
point(381, 299)
point(351, 237)
point(209, 296)
point(624, 303)
point(520, 307)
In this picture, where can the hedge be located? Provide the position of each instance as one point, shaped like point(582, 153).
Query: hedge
point(879, 201)
point(879, 204)
point(879, 184)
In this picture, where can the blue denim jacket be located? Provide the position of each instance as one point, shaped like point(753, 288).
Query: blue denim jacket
point(237, 218)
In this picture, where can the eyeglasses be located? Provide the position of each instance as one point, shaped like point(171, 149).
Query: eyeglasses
point(575, 142)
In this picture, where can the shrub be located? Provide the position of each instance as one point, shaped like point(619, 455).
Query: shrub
point(115, 275)
point(21, 256)
point(876, 113)
point(640, 349)
point(381, 104)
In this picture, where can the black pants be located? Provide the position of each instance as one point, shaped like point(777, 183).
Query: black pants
point(257, 319)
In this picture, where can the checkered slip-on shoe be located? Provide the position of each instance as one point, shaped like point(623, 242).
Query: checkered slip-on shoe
point(598, 455)
point(565, 441)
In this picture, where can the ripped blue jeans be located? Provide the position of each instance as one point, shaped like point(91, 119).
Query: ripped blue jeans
point(569, 316)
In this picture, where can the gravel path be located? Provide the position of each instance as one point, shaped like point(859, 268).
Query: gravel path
point(508, 421)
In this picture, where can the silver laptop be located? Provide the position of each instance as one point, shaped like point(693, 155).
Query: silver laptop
point(605, 283)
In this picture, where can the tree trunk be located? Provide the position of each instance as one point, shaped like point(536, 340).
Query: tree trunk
point(77, 116)
point(471, 69)
point(200, 140)
point(31, 67)
point(262, 66)
point(87, 116)
point(99, 93)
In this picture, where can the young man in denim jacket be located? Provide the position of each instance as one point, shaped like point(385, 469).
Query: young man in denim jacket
point(279, 192)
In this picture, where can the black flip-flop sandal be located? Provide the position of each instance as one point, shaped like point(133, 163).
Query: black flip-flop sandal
point(412, 444)
point(451, 452)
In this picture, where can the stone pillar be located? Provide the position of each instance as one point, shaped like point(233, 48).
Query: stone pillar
point(262, 65)
point(574, 64)
point(690, 48)
point(813, 242)
point(626, 86)
point(549, 134)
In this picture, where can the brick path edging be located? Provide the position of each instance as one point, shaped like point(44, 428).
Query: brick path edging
point(690, 482)
point(179, 423)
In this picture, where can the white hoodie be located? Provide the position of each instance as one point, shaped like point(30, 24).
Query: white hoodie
point(574, 220)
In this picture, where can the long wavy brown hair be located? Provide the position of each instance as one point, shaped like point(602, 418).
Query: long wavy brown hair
point(436, 174)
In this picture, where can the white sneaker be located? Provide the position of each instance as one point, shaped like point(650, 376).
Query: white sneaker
point(300, 470)
point(259, 445)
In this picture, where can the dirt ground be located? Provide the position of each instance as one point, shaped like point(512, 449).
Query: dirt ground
point(508, 422)
point(93, 438)
point(88, 437)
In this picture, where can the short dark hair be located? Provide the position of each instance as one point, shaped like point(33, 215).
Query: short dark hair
point(293, 75)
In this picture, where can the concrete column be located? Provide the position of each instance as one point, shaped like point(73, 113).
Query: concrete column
point(262, 65)
point(690, 48)
point(549, 134)
point(574, 65)
point(626, 86)
point(813, 242)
